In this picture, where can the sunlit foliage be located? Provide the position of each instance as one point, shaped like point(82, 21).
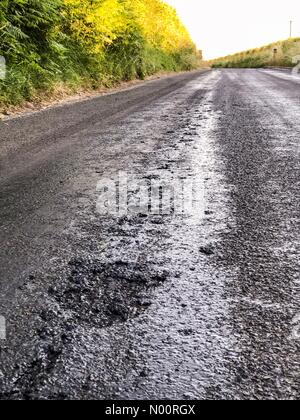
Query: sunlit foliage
point(281, 53)
point(87, 43)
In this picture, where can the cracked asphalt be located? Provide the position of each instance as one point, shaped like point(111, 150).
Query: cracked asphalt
point(154, 305)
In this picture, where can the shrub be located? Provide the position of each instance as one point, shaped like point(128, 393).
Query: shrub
point(83, 43)
point(262, 57)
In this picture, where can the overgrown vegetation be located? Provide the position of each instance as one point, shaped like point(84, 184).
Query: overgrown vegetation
point(279, 54)
point(87, 44)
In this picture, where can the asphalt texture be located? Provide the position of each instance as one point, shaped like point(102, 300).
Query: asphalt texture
point(154, 305)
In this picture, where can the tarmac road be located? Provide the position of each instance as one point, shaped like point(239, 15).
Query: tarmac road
point(152, 303)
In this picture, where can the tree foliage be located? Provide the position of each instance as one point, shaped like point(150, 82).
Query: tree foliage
point(87, 43)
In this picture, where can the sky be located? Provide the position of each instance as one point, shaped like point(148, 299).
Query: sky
point(222, 27)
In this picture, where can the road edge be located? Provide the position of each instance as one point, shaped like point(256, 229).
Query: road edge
point(32, 108)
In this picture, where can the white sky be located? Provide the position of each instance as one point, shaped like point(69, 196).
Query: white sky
point(221, 27)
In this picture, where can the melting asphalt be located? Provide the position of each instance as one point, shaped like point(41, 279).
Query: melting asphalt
point(153, 303)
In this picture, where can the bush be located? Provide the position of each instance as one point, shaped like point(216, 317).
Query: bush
point(262, 57)
point(79, 43)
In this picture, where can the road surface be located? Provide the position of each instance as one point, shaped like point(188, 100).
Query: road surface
point(154, 304)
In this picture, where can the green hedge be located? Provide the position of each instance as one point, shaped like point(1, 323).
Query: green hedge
point(43, 50)
point(262, 57)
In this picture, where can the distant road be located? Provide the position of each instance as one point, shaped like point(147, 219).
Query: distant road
point(154, 306)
